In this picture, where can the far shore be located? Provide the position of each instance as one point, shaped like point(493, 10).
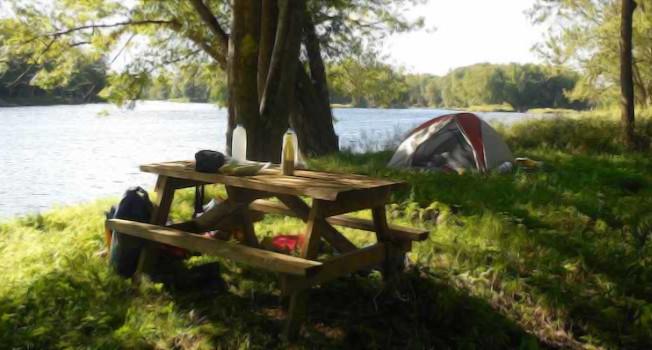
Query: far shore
point(501, 108)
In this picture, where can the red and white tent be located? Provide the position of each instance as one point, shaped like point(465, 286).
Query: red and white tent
point(454, 142)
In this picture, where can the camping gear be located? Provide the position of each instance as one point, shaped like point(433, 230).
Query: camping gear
point(332, 196)
point(528, 164)
point(207, 161)
point(239, 143)
point(455, 142)
point(288, 153)
point(125, 249)
point(505, 168)
point(199, 201)
point(286, 244)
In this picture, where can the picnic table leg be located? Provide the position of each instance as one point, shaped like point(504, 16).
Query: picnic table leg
point(248, 228)
point(395, 257)
point(161, 210)
point(243, 197)
point(309, 250)
point(327, 231)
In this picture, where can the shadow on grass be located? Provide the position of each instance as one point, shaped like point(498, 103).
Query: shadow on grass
point(420, 311)
point(577, 214)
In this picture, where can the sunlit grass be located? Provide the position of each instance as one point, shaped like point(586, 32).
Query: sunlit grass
point(560, 257)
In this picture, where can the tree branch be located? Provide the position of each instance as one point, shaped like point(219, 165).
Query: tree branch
point(209, 19)
point(218, 56)
point(96, 26)
point(110, 25)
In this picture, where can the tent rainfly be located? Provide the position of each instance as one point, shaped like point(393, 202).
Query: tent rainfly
point(454, 142)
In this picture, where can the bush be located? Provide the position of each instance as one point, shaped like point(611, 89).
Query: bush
point(585, 133)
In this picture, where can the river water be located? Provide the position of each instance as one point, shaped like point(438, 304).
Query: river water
point(59, 155)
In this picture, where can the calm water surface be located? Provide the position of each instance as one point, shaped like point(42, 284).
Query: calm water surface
point(58, 155)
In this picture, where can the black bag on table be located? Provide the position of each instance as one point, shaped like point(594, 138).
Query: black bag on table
point(125, 249)
point(207, 161)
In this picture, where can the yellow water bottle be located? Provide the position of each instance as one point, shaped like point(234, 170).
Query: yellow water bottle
point(288, 153)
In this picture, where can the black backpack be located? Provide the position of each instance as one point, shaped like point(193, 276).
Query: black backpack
point(125, 249)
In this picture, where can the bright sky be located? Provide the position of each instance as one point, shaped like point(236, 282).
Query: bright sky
point(467, 32)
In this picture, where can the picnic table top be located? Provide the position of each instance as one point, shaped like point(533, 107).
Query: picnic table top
point(314, 184)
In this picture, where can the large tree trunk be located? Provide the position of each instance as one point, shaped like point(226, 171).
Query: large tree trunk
point(242, 63)
point(279, 91)
point(262, 71)
point(264, 66)
point(268, 24)
point(313, 118)
point(316, 62)
point(626, 77)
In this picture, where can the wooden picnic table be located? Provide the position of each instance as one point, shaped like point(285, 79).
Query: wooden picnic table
point(332, 194)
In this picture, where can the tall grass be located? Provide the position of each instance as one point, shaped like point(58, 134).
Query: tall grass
point(555, 258)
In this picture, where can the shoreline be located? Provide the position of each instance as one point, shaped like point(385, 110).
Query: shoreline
point(13, 103)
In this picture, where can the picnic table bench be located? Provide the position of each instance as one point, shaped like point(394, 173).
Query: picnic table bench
point(332, 195)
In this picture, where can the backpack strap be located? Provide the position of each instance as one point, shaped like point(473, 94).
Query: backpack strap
point(143, 193)
point(199, 200)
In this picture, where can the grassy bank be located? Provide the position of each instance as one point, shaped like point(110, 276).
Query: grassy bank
point(490, 108)
point(46, 100)
point(556, 258)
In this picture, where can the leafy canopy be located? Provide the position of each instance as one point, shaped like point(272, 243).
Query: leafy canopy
point(585, 34)
point(138, 39)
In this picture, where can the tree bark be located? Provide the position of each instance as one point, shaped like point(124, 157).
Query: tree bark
point(280, 85)
point(313, 118)
point(316, 62)
point(268, 22)
point(626, 76)
point(242, 73)
point(263, 65)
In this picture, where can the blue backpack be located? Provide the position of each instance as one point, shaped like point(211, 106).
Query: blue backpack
point(125, 249)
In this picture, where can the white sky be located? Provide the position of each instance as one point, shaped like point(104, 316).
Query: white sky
point(467, 32)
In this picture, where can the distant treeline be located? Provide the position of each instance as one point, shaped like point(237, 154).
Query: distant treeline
point(352, 82)
point(20, 85)
point(189, 84)
point(520, 87)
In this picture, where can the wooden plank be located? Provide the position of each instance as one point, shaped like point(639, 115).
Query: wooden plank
point(326, 186)
point(265, 182)
point(399, 232)
point(380, 223)
point(250, 238)
point(356, 200)
point(245, 195)
point(299, 208)
point(259, 258)
point(352, 180)
point(312, 237)
point(161, 205)
point(395, 257)
point(338, 266)
point(296, 314)
point(178, 184)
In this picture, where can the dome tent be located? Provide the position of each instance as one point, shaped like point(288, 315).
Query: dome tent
point(454, 142)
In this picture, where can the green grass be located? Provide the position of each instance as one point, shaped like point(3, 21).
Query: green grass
point(504, 107)
point(565, 112)
point(556, 258)
point(341, 105)
point(46, 100)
